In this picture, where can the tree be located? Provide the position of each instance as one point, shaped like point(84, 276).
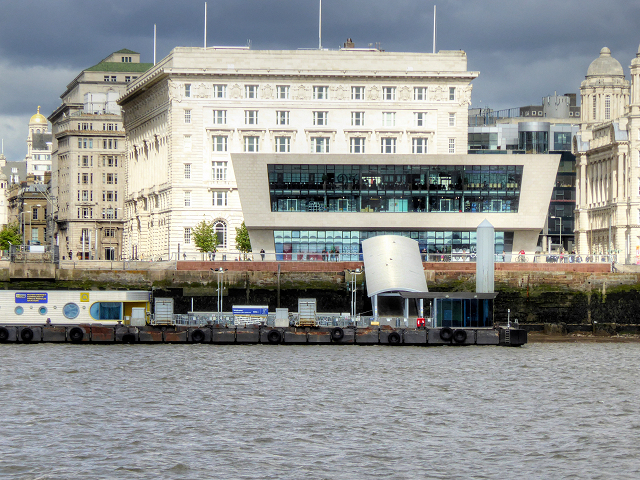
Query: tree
point(243, 243)
point(10, 234)
point(205, 237)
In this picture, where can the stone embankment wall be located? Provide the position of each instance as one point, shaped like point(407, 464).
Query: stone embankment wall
point(563, 293)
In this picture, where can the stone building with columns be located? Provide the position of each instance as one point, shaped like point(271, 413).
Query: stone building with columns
point(607, 150)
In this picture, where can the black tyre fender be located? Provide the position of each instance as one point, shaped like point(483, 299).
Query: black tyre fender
point(128, 338)
point(197, 336)
point(446, 334)
point(274, 336)
point(4, 334)
point(460, 336)
point(337, 334)
point(76, 334)
point(394, 338)
point(26, 334)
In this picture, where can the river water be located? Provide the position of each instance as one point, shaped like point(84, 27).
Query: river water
point(543, 411)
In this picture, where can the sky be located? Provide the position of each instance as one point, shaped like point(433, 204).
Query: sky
point(523, 49)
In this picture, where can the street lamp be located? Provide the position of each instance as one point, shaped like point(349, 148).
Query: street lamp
point(354, 280)
point(23, 224)
point(561, 247)
point(220, 273)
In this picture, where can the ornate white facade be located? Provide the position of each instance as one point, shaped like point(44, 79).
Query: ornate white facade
point(188, 115)
point(608, 161)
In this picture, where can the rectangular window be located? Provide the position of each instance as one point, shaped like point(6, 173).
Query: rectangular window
point(320, 118)
point(85, 160)
point(607, 107)
point(320, 145)
point(187, 90)
point(251, 117)
point(283, 92)
point(110, 161)
point(86, 212)
point(220, 117)
point(420, 93)
point(320, 92)
point(187, 171)
point(388, 119)
point(220, 199)
point(388, 145)
point(452, 145)
point(187, 199)
point(452, 93)
point(187, 236)
point(127, 78)
point(356, 145)
point(388, 93)
point(85, 195)
point(219, 171)
point(420, 119)
point(219, 91)
point(219, 143)
point(109, 232)
point(251, 144)
point(113, 78)
point(357, 93)
point(357, 119)
point(85, 178)
point(282, 117)
point(594, 107)
point(187, 116)
point(283, 144)
point(251, 91)
point(187, 143)
point(34, 213)
point(452, 119)
point(419, 145)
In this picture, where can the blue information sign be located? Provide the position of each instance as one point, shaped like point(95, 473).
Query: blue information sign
point(32, 297)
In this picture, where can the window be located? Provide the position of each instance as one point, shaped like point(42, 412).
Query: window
point(388, 93)
point(607, 107)
point(127, 78)
point(84, 212)
point(85, 160)
point(452, 119)
point(283, 92)
point(110, 196)
point(220, 199)
point(420, 93)
point(388, 145)
point(251, 144)
point(34, 213)
point(219, 143)
point(320, 118)
point(110, 161)
point(594, 107)
point(187, 90)
point(251, 117)
point(85, 196)
point(187, 171)
point(110, 178)
point(283, 144)
point(109, 232)
point(357, 93)
point(388, 119)
point(219, 171)
point(34, 235)
point(187, 236)
point(356, 145)
point(109, 213)
point(250, 91)
point(282, 118)
point(219, 91)
point(452, 93)
point(419, 145)
point(220, 229)
point(452, 145)
point(187, 199)
point(85, 178)
point(186, 145)
point(357, 119)
point(110, 126)
point(319, 145)
point(420, 119)
point(85, 142)
point(220, 117)
point(110, 143)
point(320, 92)
point(187, 116)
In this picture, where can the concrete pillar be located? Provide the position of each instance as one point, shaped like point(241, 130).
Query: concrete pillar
point(374, 306)
point(421, 307)
point(406, 310)
point(485, 257)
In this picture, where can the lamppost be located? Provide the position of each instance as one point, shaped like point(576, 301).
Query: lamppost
point(220, 274)
point(561, 246)
point(110, 213)
point(23, 224)
point(354, 282)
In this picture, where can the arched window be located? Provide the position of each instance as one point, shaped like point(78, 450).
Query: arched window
point(220, 228)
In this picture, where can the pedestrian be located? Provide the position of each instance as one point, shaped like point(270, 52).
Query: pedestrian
point(503, 256)
point(262, 253)
point(70, 255)
point(424, 254)
point(184, 256)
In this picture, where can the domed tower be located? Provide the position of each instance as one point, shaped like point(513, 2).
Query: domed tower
point(635, 85)
point(604, 92)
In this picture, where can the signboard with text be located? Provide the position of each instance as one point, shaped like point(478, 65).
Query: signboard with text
point(32, 297)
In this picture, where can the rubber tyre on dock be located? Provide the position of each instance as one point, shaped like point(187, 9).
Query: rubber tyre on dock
point(446, 334)
point(274, 336)
point(4, 334)
point(76, 334)
point(128, 338)
point(26, 335)
point(460, 336)
point(394, 338)
point(337, 334)
point(197, 336)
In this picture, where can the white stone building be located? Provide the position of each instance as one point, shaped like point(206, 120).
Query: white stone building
point(607, 151)
point(39, 142)
point(191, 113)
point(88, 178)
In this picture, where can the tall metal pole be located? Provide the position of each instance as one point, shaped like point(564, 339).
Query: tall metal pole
point(205, 25)
point(320, 27)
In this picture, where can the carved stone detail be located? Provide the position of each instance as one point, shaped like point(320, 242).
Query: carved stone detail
point(267, 92)
point(373, 93)
point(404, 93)
point(235, 91)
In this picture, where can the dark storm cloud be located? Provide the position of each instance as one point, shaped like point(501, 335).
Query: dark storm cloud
point(524, 49)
